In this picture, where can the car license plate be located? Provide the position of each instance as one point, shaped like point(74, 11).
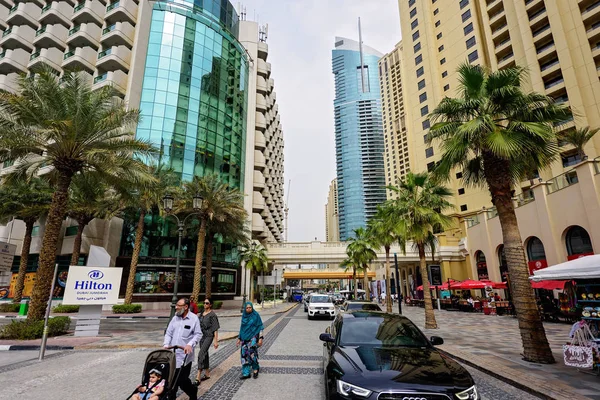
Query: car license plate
point(321, 312)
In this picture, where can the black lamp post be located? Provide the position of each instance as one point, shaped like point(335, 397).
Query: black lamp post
point(168, 207)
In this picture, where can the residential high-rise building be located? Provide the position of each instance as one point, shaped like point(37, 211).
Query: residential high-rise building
point(358, 134)
point(206, 99)
point(394, 118)
point(332, 227)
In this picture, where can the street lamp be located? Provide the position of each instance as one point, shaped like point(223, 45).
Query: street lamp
point(168, 207)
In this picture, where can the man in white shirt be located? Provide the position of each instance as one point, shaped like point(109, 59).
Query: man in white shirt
point(184, 331)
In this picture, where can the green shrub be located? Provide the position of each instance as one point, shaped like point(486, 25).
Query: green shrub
point(62, 308)
point(127, 308)
point(9, 307)
point(217, 304)
point(26, 329)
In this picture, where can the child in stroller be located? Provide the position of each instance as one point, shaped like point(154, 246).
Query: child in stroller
point(153, 389)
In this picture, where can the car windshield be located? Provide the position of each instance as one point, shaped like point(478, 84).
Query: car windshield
point(380, 331)
point(319, 299)
point(363, 306)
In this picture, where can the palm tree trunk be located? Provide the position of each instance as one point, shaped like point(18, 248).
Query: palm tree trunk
point(430, 322)
point(354, 283)
point(137, 247)
point(388, 295)
point(45, 271)
point(77, 242)
point(208, 276)
point(24, 258)
point(366, 282)
point(199, 255)
point(535, 344)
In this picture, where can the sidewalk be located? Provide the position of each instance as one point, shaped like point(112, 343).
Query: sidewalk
point(493, 344)
point(140, 339)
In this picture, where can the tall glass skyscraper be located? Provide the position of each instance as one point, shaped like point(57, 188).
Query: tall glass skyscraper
point(358, 134)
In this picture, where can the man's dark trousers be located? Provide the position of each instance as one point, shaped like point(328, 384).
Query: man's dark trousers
point(184, 382)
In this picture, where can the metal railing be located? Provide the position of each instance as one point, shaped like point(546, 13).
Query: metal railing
point(75, 29)
point(525, 197)
point(491, 213)
point(34, 55)
point(472, 221)
point(109, 29)
point(101, 78)
point(597, 165)
point(46, 7)
point(104, 53)
point(79, 7)
point(69, 54)
point(40, 31)
point(7, 32)
point(562, 181)
point(12, 10)
point(112, 6)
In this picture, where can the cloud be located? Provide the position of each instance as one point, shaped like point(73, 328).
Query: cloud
point(301, 37)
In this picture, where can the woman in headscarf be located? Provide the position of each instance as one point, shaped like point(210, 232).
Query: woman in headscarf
point(251, 338)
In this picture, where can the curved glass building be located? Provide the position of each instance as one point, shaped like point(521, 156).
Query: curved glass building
point(193, 99)
point(358, 135)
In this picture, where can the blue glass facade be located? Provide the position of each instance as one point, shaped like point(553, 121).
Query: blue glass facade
point(358, 135)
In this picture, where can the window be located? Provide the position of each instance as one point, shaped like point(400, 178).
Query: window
point(423, 97)
point(417, 47)
point(437, 23)
point(411, 3)
point(461, 191)
point(471, 42)
point(473, 56)
point(420, 72)
point(426, 124)
point(439, 35)
point(466, 15)
point(429, 152)
point(421, 84)
point(443, 61)
point(35, 231)
point(418, 59)
point(444, 74)
point(436, 11)
point(458, 175)
point(463, 207)
point(463, 3)
point(71, 231)
point(468, 29)
point(424, 111)
point(415, 35)
point(414, 24)
point(425, 138)
point(446, 88)
point(430, 166)
point(441, 48)
point(413, 12)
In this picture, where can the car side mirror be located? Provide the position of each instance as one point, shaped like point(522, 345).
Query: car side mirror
point(326, 337)
point(436, 340)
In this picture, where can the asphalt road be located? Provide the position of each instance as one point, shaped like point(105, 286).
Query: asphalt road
point(290, 368)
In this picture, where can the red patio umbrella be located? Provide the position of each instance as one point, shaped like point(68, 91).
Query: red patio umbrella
point(496, 285)
point(443, 286)
point(468, 284)
point(549, 285)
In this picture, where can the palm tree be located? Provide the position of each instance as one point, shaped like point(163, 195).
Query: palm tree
point(347, 264)
point(27, 200)
point(73, 129)
point(219, 202)
point(495, 133)
point(578, 138)
point(360, 250)
point(143, 199)
point(255, 258)
point(89, 198)
point(418, 210)
point(382, 231)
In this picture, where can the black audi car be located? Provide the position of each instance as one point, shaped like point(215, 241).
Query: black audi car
point(380, 356)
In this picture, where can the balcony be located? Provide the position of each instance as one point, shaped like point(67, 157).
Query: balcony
point(118, 34)
point(24, 14)
point(13, 61)
point(82, 57)
point(499, 31)
point(259, 180)
point(258, 225)
point(116, 79)
point(261, 68)
point(51, 36)
point(591, 12)
point(261, 122)
point(114, 58)
point(498, 18)
point(18, 37)
point(261, 103)
point(57, 12)
point(562, 181)
point(531, 4)
point(259, 161)
point(51, 57)
point(121, 11)
point(506, 60)
point(541, 34)
point(263, 50)
point(9, 82)
point(259, 140)
point(258, 202)
point(261, 85)
point(3, 16)
point(549, 68)
point(83, 35)
point(90, 11)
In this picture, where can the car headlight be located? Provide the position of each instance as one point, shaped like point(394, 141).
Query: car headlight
point(347, 389)
point(469, 394)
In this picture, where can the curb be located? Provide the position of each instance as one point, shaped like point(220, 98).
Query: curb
point(502, 378)
point(19, 347)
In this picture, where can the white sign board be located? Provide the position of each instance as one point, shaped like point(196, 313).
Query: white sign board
point(7, 254)
point(91, 285)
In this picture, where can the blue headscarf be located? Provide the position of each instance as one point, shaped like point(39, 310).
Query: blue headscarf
point(251, 323)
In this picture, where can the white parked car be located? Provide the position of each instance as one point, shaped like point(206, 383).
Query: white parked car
point(321, 305)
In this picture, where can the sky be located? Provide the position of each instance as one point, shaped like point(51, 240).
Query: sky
point(300, 38)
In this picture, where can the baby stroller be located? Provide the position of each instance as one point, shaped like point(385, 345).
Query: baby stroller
point(163, 360)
